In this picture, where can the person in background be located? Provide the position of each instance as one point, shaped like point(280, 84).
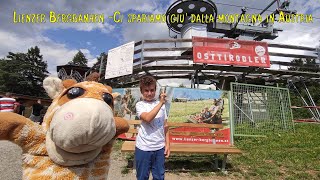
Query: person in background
point(36, 111)
point(221, 104)
point(42, 114)
point(124, 107)
point(117, 104)
point(152, 142)
point(8, 103)
point(216, 113)
point(206, 114)
point(21, 107)
point(214, 107)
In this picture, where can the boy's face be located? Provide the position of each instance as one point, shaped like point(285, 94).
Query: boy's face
point(148, 92)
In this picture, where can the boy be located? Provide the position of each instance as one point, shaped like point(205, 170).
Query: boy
point(152, 142)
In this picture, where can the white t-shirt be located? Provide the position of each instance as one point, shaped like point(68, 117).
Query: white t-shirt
point(151, 135)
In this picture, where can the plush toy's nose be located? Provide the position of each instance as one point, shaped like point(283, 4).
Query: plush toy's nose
point(82, 124)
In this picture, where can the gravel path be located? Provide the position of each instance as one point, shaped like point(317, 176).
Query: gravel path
point(11, 169)
point(10, 161)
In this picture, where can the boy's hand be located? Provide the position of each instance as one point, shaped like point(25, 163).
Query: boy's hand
point(167, 151)
point(163, 98)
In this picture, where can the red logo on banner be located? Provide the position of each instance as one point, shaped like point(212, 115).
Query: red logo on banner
point(230, 52)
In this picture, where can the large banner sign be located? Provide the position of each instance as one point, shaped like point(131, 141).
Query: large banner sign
point(201, 107)
point(230, 52)
point(184, 105)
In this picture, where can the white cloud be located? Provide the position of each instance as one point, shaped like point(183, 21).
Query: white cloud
point(150, 31)
point(20, 37)
point(174, 82)
point(54, 53)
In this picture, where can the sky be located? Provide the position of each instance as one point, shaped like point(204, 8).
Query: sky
point(59, 42)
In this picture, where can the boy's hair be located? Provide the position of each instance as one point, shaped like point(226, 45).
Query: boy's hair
point(147, 81)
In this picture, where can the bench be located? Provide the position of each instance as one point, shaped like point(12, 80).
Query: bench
point(187, 148)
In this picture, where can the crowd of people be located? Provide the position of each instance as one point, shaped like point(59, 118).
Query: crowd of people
point(8, 103)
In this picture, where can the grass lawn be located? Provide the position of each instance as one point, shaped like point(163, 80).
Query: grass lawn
point(281, 156)
point(277, 156)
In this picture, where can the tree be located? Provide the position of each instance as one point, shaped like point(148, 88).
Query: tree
point(103, 56)
point(79, 60)
point(23, 73)
point(305, 64)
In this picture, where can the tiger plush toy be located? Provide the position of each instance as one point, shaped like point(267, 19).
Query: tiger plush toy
point(77, 134)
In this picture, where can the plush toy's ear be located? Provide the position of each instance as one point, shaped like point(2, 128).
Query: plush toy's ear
point(109, 88)
point(53, 86)
point(68, 83)
point(93, 77)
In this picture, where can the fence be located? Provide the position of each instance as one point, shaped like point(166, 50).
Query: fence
point(258, 110)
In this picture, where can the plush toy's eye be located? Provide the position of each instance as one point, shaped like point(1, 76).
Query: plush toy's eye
point(75, 92)
point(108, 98)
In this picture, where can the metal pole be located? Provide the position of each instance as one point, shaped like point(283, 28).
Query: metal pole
point(192, 81)
point(101, 63)
point(304, 101)
point(268, 7)
point(281, 107)
point(311, 100)
point(197, 79)
point(141, 54)
point(249, 103)
point(291, 114)
point(222, 86)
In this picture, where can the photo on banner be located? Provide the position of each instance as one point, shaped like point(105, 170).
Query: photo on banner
point(201, 107)
point(126, 99)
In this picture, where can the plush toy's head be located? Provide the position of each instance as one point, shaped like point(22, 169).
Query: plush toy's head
point(80, 121)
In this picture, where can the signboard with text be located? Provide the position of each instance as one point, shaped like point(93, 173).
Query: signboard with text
point(120, 61)
point(230, 52)
point(184, 105)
